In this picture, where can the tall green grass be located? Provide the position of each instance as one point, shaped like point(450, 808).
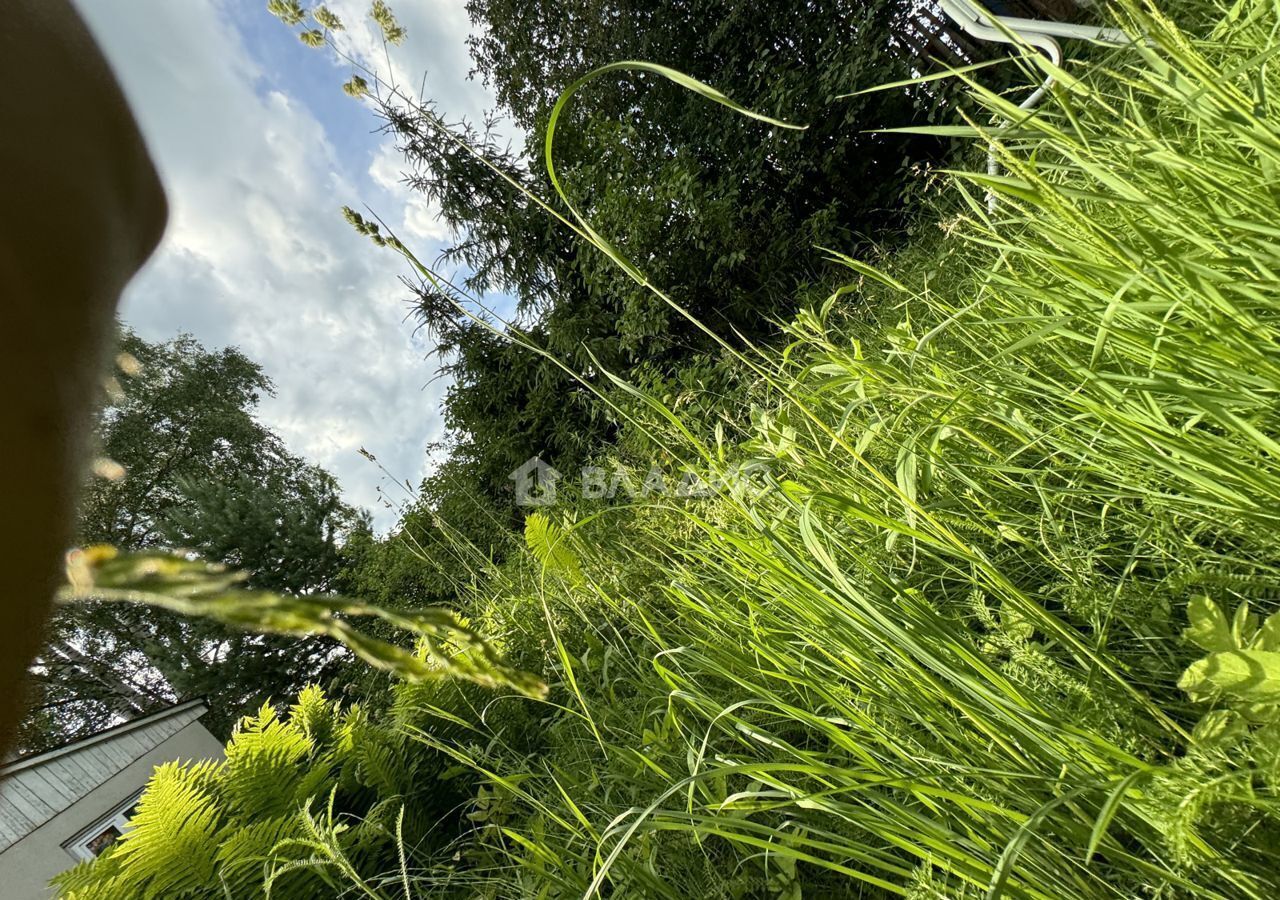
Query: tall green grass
point(936, 650)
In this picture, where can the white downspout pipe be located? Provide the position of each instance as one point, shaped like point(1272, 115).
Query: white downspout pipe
point(985, 26)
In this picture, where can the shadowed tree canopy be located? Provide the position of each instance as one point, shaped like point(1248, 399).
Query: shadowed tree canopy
point(722, 210)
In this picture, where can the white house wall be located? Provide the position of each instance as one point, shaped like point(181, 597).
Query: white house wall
point(122, 765)
point(31, 796)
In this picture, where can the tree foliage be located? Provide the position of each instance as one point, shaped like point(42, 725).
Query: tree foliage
point(199, 473)
point(724, 211)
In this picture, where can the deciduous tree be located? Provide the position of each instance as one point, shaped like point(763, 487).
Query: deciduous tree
point(201, 473)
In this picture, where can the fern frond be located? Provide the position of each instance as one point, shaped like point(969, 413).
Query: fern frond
point(245, 853)
point(315, 715)
point(172, 847)
point(550, 546)
point(265, 765)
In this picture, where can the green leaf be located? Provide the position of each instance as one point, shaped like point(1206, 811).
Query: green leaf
point(1243, 625)
point(863, 269)
point(1268, 636)
point(1260, 712)
point(1248, 676)
point(1009, 857)
point(1108, 812)
point(1209, 628)
point(1219, 728)
point(906, 478)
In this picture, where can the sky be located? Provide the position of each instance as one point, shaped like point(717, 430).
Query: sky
point(259, 148)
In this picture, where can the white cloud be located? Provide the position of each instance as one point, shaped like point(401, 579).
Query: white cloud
point(422, 220)
point(257, 254)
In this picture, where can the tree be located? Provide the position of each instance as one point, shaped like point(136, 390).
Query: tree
point(202, 474)
point(724, 212)
point(181, 414)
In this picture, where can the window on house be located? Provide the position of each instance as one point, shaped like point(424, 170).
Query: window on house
point(94, 840)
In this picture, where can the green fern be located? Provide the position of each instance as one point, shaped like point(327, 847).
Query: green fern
point(265, 763)
point(247, 850)
point(550, 546)
point(171, 849)
point(230, 828)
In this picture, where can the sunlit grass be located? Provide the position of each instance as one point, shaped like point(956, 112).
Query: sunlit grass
point(938, 654)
